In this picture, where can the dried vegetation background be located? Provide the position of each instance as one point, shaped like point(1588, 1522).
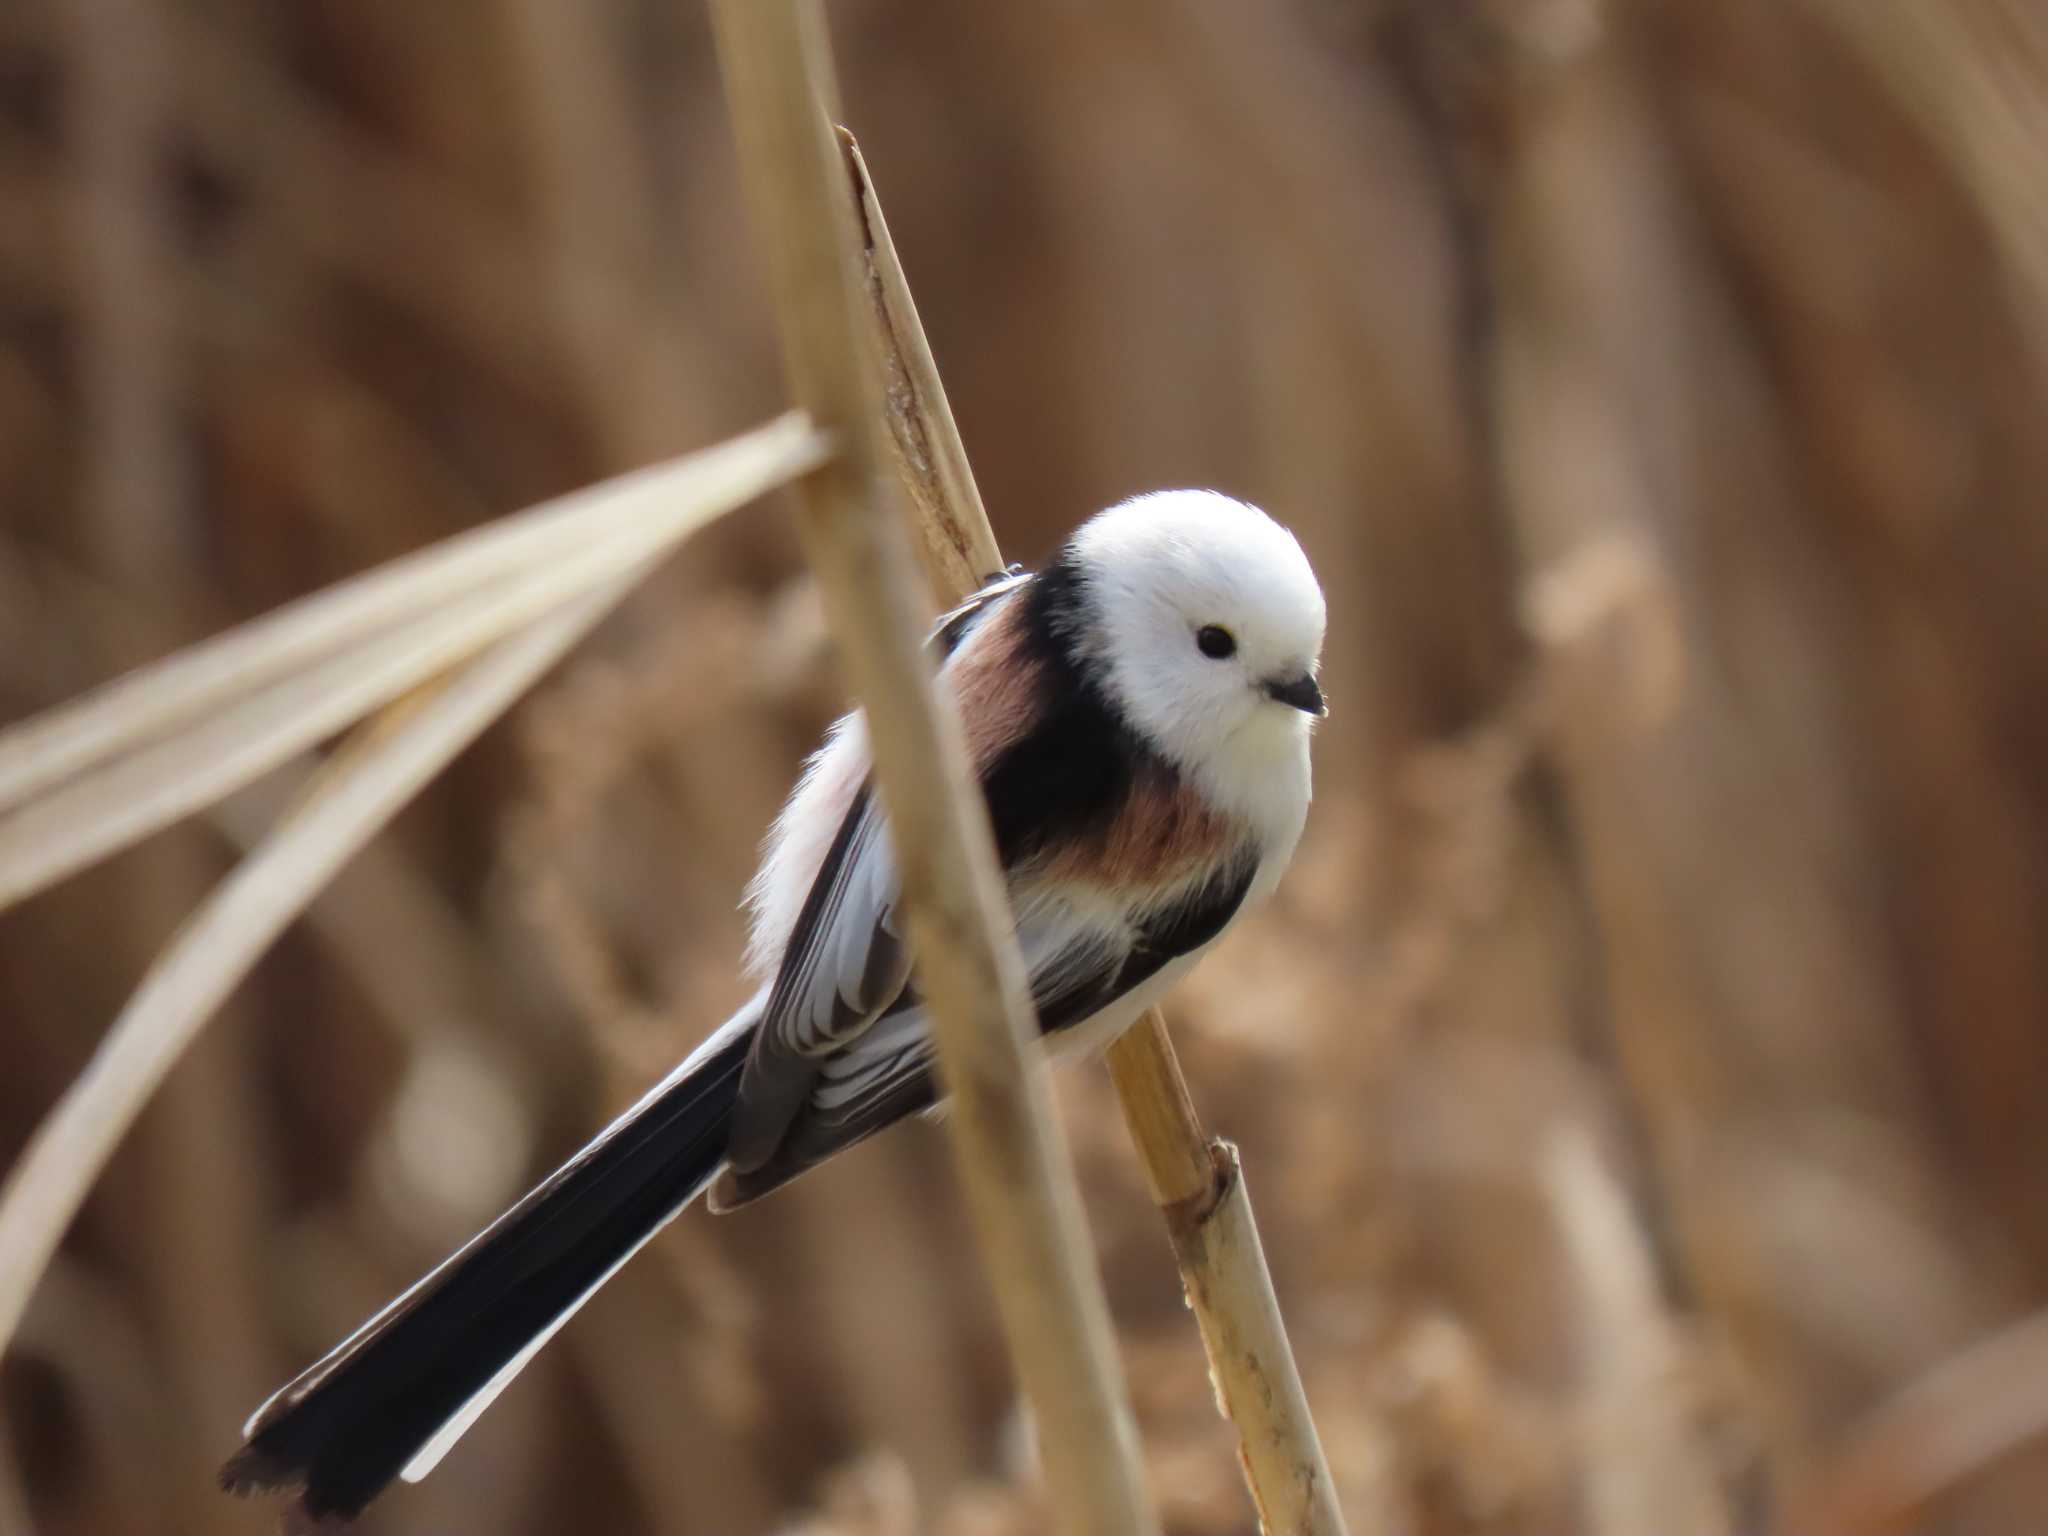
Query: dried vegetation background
point(1641, 1076)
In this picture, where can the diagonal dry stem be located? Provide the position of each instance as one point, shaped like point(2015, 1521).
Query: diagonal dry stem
point(1197, 1184)
point(954, 537)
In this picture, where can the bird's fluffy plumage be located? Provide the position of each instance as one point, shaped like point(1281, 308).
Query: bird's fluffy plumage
point(1138, 718)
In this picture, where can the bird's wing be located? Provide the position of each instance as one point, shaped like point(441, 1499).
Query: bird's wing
point(1078, 964)
point(951, 627)
point(846, 960)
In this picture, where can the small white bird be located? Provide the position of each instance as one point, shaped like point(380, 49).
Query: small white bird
point(1138, 714)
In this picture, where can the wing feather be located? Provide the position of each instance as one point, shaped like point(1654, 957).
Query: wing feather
point(846, 960)
point(1079, 965)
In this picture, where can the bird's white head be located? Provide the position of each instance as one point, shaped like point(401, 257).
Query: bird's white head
point(1206, 627)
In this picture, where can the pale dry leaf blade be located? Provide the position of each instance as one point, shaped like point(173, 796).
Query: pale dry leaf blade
point(224, 938)
point(97, 814)
point(217, 753)
point(143, 705)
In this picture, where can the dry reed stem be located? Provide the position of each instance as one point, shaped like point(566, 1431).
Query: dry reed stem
point(1160, 1113)
point(1196, 1183)
point(1251, 1364)
point(1199, 1186)
point(373, 775)
point(173, 737)
point(1013, 1164)
point(954, 537)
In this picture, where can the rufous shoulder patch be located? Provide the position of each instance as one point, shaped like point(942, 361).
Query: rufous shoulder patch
point(996, 683)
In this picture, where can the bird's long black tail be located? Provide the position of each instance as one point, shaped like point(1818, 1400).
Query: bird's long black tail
point(398, 1392)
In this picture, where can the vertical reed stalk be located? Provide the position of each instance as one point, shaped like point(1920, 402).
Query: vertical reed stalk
point(1019, 1182)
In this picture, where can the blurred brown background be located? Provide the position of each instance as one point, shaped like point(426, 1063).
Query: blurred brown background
point(1641, 1075)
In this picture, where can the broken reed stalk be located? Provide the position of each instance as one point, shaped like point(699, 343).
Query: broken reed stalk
point(380, 768)
point(1198, 1184)
point(1012, 1161)
point(954, 536)
point(1229, 1287)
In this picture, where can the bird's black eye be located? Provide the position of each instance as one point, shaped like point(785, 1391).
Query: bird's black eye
point(1215, 642)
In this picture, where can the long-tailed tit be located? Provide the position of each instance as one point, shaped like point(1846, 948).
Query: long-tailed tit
point(1138, 714)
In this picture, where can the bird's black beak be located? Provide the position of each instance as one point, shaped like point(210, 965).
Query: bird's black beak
point(1301, 692)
